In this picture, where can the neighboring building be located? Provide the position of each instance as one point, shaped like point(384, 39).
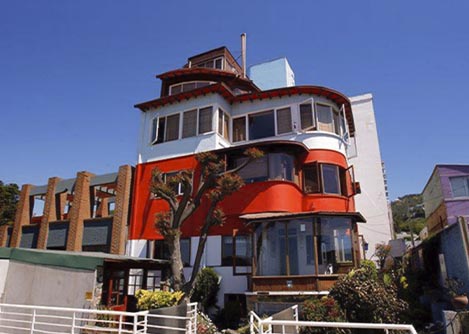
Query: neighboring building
point(272, 74)
point(446, 196)
point(293, 227)
point(89, 213)
point(364, 154)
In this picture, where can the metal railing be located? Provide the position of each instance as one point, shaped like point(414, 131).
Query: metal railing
point(266, 326)
point(60, 320)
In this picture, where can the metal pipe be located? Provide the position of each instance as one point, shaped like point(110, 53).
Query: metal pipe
point(243, 53)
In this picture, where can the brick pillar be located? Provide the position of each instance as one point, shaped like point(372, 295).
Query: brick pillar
point(23, 215)
point(103, 208)
point(121, 211)
point(3, 235)
point(79, 212)
point(50, 213)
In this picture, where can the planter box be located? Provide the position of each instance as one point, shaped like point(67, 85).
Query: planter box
point(179, 311)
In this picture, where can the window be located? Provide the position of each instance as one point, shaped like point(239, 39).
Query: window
point(187, 86)
point(239, 129)
point(172, 127)
point(324, 118)
point(334, 243)
point(162, 250)
point(326, 178)
point(157, 130)
point(177, 187)
point(307, 116)
point(261, 125)
point(238, 254)
point(284, 124)
point(189, 123)
point(223, 124)
point(460, 186)
point(205, 120)
point(272, 166)
point(212, 63)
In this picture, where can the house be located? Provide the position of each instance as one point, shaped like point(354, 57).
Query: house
point(446, 196)
point(292, 229)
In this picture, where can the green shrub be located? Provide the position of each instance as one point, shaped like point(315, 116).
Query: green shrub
point(147, 300)
point(365, 298)
point(322, 309)
point(206, 288)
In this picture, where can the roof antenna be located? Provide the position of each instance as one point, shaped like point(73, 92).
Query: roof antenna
point(243, 53)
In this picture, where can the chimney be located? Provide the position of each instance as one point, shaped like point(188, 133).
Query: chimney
point(243, 53)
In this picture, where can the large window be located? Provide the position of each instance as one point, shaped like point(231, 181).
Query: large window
point(205, 120)
point(303, 247)
point(261, 125)
point(326, 118)
point(460, 186)
point(326, 178)
point(284, 123)
point(212, 63)
point(272, 166)
point(189, 123)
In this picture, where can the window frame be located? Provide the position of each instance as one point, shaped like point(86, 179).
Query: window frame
point(195, 82)
point(313, 127)
point(224, 116)
point(466, 185)
point(233, 256)
point(342, 179)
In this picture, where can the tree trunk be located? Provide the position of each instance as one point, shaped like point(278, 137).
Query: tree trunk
point(177, 267)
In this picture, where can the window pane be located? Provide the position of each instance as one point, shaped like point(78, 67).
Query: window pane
point(154, 130)
point(459, 186)
point(280, 166)
point(261, 125)
point(220, 122)
point(201, 84)
point(311, 179)
point(172, 132)
point(176, 89)
point(331, 179)
point(227, 251)
point(189, 123)
point(205, 120)
point(284, 121)
point(226, 127)
point(186, 251)
point(219, 63)
point(161, 129)
point(239, 129)
point(306, 116)
point(336, 122)
point(188, 86)
point(324, 118)
point(343, 181)
point(255, 171)
point(243, 250)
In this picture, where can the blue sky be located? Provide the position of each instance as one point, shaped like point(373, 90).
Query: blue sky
point(71, 71)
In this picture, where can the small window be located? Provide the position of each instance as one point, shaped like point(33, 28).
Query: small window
point(189, 123)
point(307, 116)
point(157, 130)
point(223, 124)
point(460, 186)
point(325, 122)
point(284, 124)
point(205, 120)
point(238, 254)
point(219, 63)
point(154, 131)
point(337, 122)
point(239, 129)
point(261, 125)
point(330, 179)
point(172, 131)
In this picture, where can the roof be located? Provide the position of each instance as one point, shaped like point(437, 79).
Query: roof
point(226, 92)
point(264, 216)
point(67, 259)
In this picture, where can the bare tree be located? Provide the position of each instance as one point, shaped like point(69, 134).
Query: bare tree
point(213, 184)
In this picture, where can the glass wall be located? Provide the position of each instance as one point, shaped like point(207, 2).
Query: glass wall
point(298, 247)
point(272, 166)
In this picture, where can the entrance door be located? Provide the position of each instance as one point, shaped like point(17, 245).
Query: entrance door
point(117, 290)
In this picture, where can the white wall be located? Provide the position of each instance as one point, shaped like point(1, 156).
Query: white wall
point(30, 284)
point(372, 203)
point(4, 264)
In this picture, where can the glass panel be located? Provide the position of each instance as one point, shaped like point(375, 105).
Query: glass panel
point(306, 116)
point(219, 63)
point(188, 86)
point(255, 171)
point(269, 258)
point(243, 256)
point(284, 124)
point(176, 89)
point(226, 127)
point(261, 125)
point(239, 129)
point(227, 251)
point(336, 122)
point(205, 120)
point(280, 166)
point(172, 132)
point(330, 179)
point(161, 129)
point(189, 123)
point(186, 251)
point(311, 179)
point(220, 122)
point(334, 243)
point(324, 118)
point(201, 84)
point(459, 186)
point(154, 130)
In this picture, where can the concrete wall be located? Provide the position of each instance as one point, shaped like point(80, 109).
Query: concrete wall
point(372, 203)
point(4, 264)
point(29, 284)
point(272, 74)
